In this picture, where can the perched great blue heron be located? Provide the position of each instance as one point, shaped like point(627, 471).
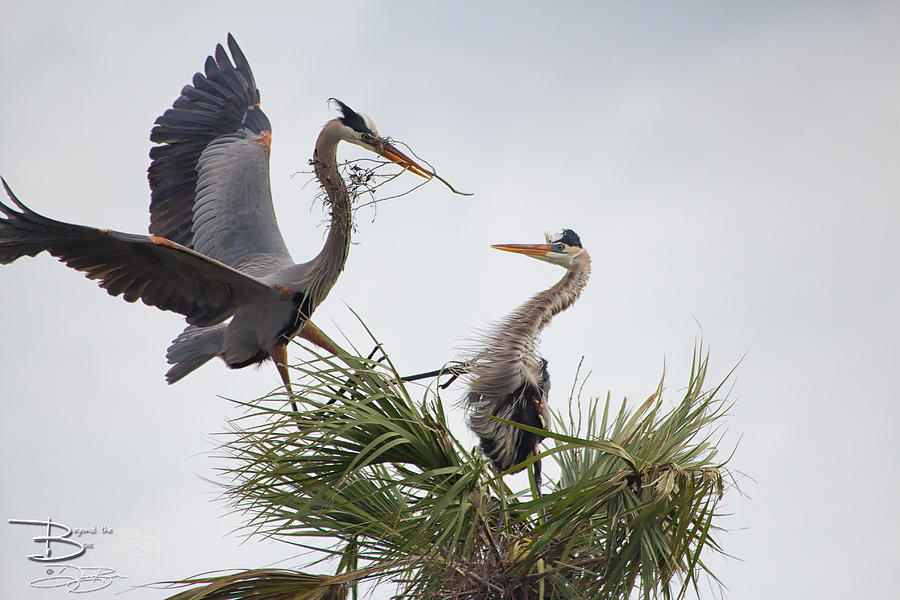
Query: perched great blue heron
point(215, 249)
point(507, 378)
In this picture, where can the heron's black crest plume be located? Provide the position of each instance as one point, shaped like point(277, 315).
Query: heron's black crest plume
point(352, 119)
point(569, 237)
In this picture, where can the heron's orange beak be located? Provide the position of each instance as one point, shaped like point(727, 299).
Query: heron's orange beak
point(529, 249)
point(391, 153)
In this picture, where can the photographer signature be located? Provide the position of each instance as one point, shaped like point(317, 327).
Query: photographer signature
point(77, 580)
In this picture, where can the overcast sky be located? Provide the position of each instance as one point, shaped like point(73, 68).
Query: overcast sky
point(733, 171)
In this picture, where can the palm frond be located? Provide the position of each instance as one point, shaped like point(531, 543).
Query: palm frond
point(654, 512)
point(273, 584)
point(381, 480)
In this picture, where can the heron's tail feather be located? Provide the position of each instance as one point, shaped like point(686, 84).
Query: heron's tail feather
point(192, 349)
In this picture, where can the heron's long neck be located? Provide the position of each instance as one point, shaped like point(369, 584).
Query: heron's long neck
point(511, 344)
point(535, 314)
point(328, 264)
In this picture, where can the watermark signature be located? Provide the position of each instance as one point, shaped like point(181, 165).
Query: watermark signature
point(58, 547)
point(77, 580)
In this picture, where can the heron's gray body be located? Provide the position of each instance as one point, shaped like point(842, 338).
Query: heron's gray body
point(248, 238)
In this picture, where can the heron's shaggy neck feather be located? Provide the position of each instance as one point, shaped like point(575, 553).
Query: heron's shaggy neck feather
point(509, 356)
point(328, 264)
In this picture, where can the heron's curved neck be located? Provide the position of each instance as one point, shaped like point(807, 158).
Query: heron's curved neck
point(537, 312)
point(328, 264)
point(512, 342)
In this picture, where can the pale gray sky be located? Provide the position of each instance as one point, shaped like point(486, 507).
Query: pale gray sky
point(733, 166)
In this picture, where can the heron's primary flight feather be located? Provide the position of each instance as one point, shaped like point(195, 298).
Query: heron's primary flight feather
point(161, 273)
point(222, 101)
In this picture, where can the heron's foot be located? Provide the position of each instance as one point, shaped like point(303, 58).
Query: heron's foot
point(377, 349)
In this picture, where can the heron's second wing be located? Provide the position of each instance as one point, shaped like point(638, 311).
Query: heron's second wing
point(219, 108)
point(234, 221)
point(159, 272)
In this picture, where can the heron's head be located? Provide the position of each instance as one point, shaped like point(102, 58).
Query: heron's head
point(563, 249)
point(359, 128)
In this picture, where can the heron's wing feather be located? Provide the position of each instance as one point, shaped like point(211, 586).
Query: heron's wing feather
point(234, 221)
point(159, 272)
point(221, 104)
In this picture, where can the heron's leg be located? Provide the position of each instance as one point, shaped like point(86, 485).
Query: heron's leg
point(279, 355)
point(539, 408)
point(538, 480)
point(313, 334)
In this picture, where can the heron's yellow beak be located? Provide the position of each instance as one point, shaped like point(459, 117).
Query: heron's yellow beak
point(528, 249)
point(391, 153)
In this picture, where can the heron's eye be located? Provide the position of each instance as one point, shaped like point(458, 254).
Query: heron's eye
point(559, 247)
point(368, 138)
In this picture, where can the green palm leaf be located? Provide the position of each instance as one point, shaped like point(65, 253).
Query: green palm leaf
point(380, 476)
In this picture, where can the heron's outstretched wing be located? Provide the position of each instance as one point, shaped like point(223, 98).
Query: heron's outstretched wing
point(159, 272)
point(209, 178)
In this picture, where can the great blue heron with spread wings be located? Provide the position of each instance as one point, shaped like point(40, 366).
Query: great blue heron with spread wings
point(507, 378)
point(215, 250)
